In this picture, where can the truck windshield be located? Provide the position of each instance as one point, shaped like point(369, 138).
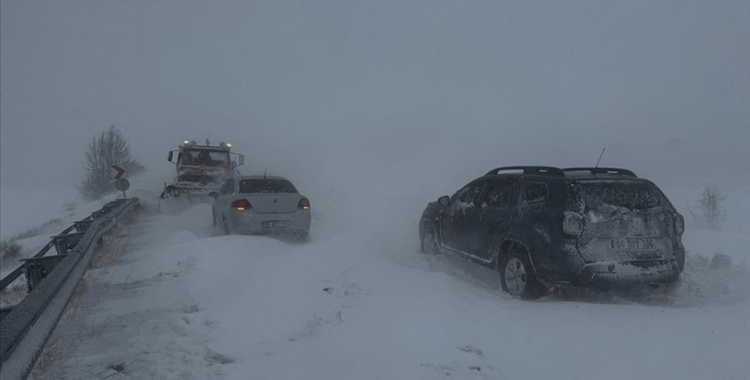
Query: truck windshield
point(205, 158)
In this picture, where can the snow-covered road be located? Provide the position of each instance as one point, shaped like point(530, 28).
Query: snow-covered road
point(358, 301)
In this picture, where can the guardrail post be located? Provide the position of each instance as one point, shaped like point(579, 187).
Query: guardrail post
point(38, 268)
point(82, 225)
point(65, 242)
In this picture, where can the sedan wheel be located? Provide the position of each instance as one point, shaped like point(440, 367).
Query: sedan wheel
point(224, 224)
point(681, 260)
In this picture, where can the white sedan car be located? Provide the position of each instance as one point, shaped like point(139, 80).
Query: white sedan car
point(261, 205)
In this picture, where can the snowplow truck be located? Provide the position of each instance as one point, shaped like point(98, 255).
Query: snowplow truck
point(201, 169)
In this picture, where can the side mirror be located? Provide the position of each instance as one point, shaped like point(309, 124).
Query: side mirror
point(242, 159)
point(169, 158)
point(213, 194)
point(444, 200)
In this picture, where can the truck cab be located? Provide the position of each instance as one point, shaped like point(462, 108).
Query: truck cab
point(201, 169)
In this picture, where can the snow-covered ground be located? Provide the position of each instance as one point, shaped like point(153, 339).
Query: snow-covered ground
point(358, 301)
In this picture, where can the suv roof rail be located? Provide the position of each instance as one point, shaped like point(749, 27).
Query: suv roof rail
point(542, 170)
point(617, 171)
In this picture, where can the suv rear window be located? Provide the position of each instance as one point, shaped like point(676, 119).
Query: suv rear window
point(631, 195)
point(266, 186)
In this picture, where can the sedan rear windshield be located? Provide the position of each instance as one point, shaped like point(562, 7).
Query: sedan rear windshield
point(266, 186)
point(630, 195)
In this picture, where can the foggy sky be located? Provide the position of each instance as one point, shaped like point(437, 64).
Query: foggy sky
point(353, 93)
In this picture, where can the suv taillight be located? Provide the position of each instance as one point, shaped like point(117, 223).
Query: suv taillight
point(572, 224)
point(241, 205)
point(304, 204)
point(679, 224)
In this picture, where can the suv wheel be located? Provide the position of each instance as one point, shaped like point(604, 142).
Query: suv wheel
point(428, 242)
point(518, 278)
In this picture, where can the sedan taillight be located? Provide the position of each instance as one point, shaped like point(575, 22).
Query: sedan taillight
point(572, 224)
point(241, 205)
point(304, 204)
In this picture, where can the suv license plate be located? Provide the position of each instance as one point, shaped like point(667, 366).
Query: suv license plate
point(632, 244)
point(273, 224)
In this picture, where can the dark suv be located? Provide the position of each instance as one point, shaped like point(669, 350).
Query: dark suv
point(545, 226)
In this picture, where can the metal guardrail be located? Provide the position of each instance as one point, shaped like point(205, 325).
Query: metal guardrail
point(12, 276)
point(24, 330)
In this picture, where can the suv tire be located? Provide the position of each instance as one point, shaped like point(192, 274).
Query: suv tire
point(518, 277)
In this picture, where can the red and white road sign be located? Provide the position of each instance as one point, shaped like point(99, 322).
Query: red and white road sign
point(120, 171)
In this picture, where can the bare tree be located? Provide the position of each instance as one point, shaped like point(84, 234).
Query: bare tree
point(109, 148)
point(712, 214)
